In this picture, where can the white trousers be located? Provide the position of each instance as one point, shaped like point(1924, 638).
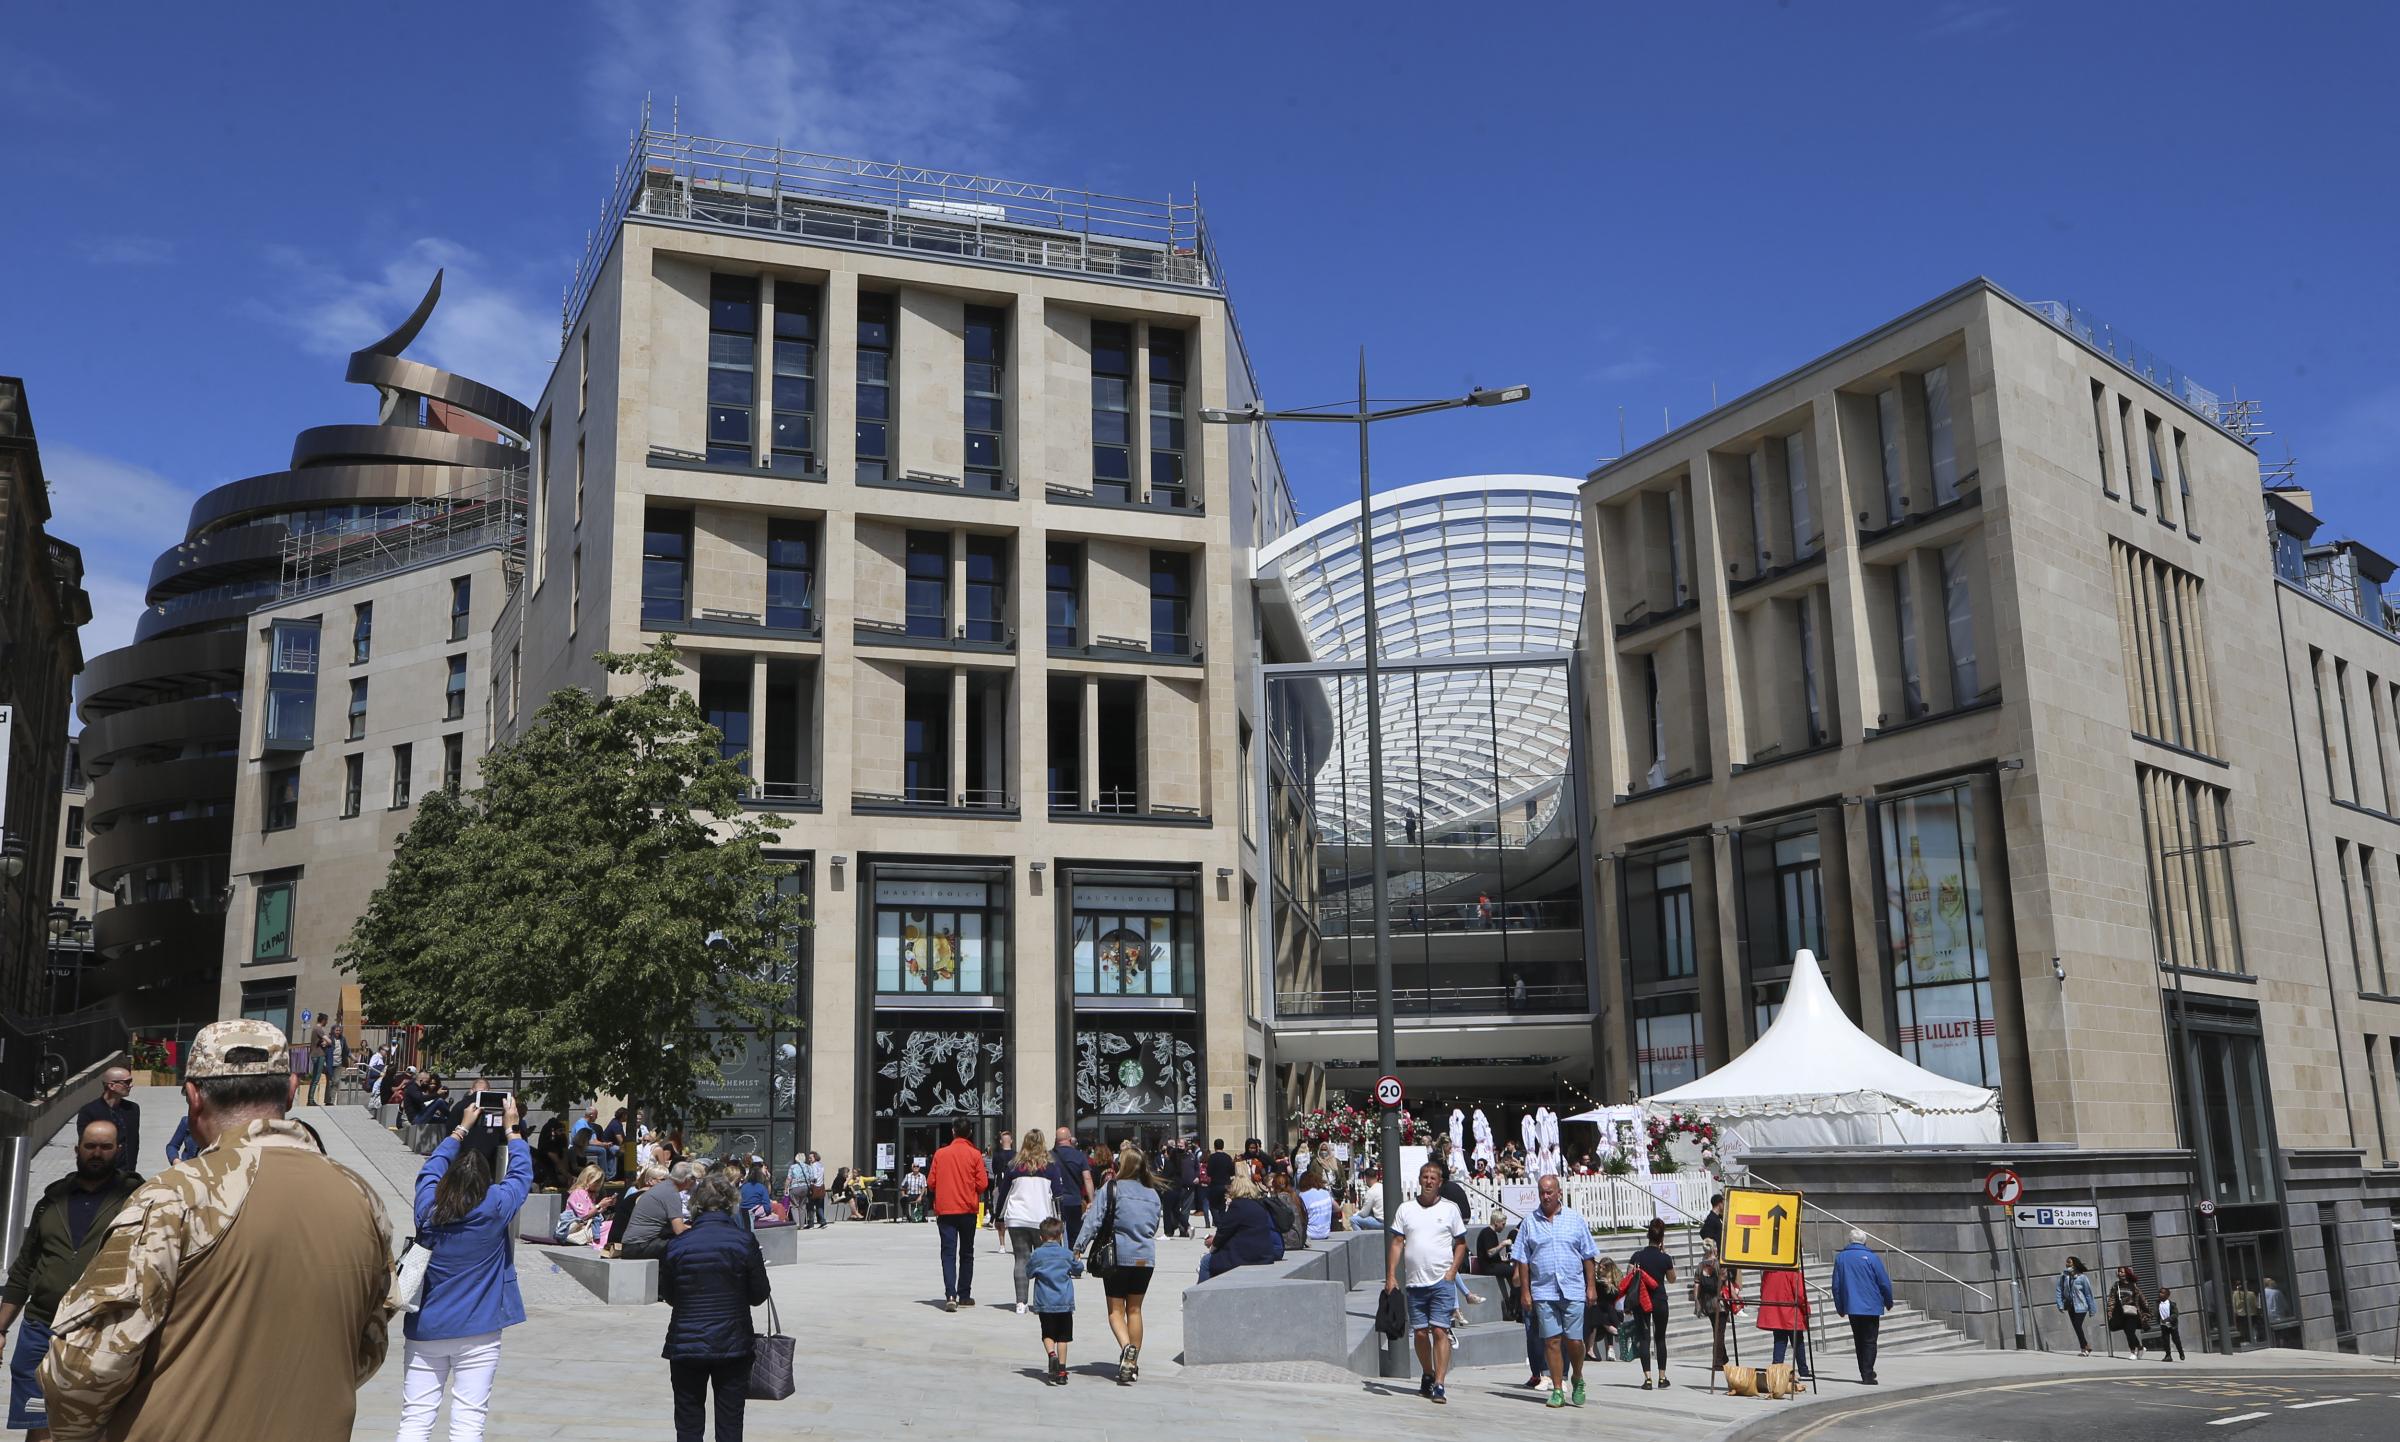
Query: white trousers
point(465, 1366)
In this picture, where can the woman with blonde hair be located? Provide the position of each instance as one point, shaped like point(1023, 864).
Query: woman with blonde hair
point(1248, 1236)
point(1029, 1200)
point(1130, 1209)
point(585, 1211)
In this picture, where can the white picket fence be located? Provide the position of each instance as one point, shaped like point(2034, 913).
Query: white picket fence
point(1613, 1204)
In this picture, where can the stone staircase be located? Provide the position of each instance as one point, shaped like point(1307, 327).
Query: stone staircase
point(1483, 1339)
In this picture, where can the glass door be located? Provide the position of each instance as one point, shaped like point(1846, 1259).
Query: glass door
point(2249, 1316)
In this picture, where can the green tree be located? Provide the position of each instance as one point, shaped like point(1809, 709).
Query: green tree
point(597, 910)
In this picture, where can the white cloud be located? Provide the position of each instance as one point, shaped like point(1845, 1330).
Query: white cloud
point(131, 250)
point(121, 515)
point(916, 81)
point(486, 327)
point(1960, 18)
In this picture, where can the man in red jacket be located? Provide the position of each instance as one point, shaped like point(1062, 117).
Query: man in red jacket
point(958, 1182)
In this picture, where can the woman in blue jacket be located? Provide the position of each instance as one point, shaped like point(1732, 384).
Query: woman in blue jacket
point(712, 1275)
point(1246, 1236)
point(468, 1222)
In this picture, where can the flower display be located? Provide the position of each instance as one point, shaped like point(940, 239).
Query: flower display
point(1664, 1130)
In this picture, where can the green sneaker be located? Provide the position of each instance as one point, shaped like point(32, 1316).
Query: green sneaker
point(1575, 1398)
point(1557, 1398)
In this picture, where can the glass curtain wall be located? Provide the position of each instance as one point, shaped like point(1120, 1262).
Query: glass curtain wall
point(1479, 826)
point(763, 1088)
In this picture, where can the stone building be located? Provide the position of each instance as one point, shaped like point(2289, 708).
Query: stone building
point(1936, 656)
point(42, 606)
point(909, 464)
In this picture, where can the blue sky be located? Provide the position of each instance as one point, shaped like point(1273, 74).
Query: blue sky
point(1622, 205)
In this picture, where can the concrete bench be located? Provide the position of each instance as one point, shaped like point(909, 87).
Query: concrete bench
point(1294, 1310)
point(388, 1115)
point(618, 1283)
point(539, 1215)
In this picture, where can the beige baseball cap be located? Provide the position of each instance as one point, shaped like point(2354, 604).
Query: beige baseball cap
point(238, 1048)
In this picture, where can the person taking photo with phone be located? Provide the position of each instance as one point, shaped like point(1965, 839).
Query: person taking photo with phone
point(466, 1220)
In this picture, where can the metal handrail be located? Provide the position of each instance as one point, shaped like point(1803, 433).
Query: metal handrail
point(1888, 1244)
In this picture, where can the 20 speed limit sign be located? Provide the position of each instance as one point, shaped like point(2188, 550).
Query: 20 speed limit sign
point(1387, 1091)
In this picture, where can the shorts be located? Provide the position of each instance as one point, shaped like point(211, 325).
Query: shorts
point(1558, 1317)
point(1124, 1281)
point(1431, 1308)
point(1057, 1326)
point(26, 1408)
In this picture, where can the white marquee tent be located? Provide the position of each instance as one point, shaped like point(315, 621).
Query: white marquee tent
point(1816, 1080)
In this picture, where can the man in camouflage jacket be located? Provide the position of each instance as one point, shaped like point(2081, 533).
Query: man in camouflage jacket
point(240, 1295)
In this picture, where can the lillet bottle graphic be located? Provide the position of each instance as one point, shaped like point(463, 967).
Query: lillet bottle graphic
point(1920, 911)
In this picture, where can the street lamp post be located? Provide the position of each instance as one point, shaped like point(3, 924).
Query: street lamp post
point(1364, 415)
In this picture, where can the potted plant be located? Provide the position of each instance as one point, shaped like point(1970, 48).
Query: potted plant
point(147, 1059)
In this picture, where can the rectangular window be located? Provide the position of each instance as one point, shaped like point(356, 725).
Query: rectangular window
point(1761, 549)
point(725, 704)
point(987, 588)
point(270, 1002)
point(2193, 916)
point(271, 922)
point(1662, 958)
point(354, 783)
point(987, 397)
point(2358, 956)
point(292, 686)
point(362, 632)
point(925, 737)
point(454, 762)
point(538, 524)
point(516, 678)
point(1112, 411)
point(1933, 915)
point(2341, 696)
point(1807, 540)
point(282, 811)
point(1912, 678)
point(1117, 731)
point(74, 826)
point(940, 934)
point(2166, 664)
point(2158, 467)
point(929, 584)
point(1062, 567)
point(1168, 485)
point(401, 756)
point(2183, 484)
point(732, 368)
point(2378, 974)
point(461, 604)
point(1171, 603)
point(1887, 430)
point(2108, 483)
point(666, 565)
point(583, 373)
point(792, 575)
point(1958, 610)
point(1135, 936)
point(873, 448)
point(2133, 491)
point(579, 480)
point(1812, 685)
point(70, 877)
point(1066, 743)
point(1941, 437)
point(1656, 776)
point(575, 591)
point(454, 690)
point(795, 382)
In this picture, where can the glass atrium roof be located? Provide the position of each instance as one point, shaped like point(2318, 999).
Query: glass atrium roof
point(1473, 567)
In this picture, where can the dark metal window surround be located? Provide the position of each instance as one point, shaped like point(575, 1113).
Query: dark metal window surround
point(402, 759)
point(454, 690)
point(454, 762)
point(732, 368)
point(666, 565)
point(795, 379)
point(725, 704)
point(362, 632)
point(1112, 411)
point(1663, 963)
point(283, 798)
point(1938, 961)
point(1171, 603)
point(987, 398)
point(939, 934)
point(987, 588)
point(792, 575)
point(354, 783)
point(1134, 935)
point(462, 590)
point(292, 686)
point(873, 447)
point(1168, 482)
point(928, 562)
point(1063, 582)
point(358, 707)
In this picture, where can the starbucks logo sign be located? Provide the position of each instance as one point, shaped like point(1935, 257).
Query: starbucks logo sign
point(1129, 1073)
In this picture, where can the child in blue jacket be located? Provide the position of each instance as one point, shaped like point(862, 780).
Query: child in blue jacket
point(1053, 1269)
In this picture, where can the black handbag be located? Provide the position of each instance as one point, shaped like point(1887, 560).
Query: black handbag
point(770, 1361)
point(1391, 1315)
point(1102, 1258)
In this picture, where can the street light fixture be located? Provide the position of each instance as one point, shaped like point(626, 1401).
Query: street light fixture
point(1362, 414)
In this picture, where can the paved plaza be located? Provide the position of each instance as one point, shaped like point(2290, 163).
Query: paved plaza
point(879, 1358)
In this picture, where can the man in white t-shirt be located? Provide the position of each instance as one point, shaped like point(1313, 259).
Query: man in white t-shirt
point(1428, 1251)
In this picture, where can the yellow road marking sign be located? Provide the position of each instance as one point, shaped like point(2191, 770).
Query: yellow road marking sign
point(1762, 1229)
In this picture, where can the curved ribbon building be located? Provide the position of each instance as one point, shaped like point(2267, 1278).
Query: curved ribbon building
point(163, 733)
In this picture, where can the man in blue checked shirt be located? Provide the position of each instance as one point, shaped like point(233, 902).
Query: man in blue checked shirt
point(1556, 1264)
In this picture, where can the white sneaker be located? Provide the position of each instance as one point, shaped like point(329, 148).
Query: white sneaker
point(1020, 1309)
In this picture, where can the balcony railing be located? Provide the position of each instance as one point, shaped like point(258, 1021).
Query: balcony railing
point(935, 798)
point(1429, 917)
point(1438, 1001)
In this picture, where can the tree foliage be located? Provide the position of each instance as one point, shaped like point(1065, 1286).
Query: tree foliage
point(558, 922)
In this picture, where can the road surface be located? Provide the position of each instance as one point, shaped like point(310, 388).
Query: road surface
point(2123, 1402)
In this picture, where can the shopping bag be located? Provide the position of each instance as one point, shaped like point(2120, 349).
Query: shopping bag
point(1779, 1380)
point(770, 1361)
point(1625, 1345)
point(1741, 1381)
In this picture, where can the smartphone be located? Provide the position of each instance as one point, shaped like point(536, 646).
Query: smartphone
point(491, 1125)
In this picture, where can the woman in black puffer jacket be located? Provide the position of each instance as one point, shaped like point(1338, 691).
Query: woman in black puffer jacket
point(712, 1276)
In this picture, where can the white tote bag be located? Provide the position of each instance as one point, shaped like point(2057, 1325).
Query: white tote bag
point(408, 1280)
